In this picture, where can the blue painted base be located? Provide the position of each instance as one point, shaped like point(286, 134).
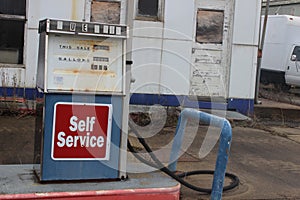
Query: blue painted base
point(27, 93)
point(52, 170)
point(244, 106)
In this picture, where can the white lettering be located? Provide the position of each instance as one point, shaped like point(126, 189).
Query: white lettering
point(76, 138)
point(72, 26)
point(87, 140)
point(84, 27)
point(81, 125)
point(92, 122)
point(93, 141)
point(100, 141)
point(84, 140)
point(73, 120)
point(61, 142)
point(69, 141)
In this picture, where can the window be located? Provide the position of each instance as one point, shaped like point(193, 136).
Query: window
point(296, 52)
point(209, 26)
point(149, 10)
point(12, 21)
point(105, 12)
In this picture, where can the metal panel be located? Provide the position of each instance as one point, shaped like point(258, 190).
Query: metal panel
point(178, 21)
point(83, 63)
point(80, 170)
point(33, 14)
point(246, 28)
point(243, 72)
point(146, 54)
point(175, 67)
point(31, 57)
point(57, 9)
point(42, 64)
point(147, 29)
point(11, 77)
point(244, 50)
point(207, 74)
point(214, 4)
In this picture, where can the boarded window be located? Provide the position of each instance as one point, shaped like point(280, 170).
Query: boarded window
point(210, 26)
point(105, 12)
point(12, 21)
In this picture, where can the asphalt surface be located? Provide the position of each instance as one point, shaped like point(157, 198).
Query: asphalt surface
point(264, 152)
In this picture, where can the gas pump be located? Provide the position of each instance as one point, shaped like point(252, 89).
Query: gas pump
point(80, 122)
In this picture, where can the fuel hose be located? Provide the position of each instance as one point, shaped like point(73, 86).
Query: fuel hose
point(178, 177)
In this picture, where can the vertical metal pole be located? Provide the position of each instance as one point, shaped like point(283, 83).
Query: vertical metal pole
point(126, 98)
point(260, 50)
point(87, 11)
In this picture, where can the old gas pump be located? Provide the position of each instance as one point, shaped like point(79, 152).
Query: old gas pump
point(80, 120)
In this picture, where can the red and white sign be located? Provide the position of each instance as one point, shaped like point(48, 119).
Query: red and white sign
point(81, 131)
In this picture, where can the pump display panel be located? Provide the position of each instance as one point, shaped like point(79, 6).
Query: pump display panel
point(76, 60)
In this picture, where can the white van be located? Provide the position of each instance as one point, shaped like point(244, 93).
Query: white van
point(281, 51)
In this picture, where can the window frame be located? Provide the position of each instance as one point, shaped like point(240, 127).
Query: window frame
point(219, 42)
point(294, 53)
point(21, 18)
point(158, 17)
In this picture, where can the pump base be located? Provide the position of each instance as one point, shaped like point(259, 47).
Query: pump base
point(19, 182)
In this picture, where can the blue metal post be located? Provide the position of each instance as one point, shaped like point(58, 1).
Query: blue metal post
point(224, 145)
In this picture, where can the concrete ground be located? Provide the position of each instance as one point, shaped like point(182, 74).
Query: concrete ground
point(264, 152)
point(268, 166)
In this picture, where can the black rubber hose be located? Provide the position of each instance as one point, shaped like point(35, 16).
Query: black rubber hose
point(158, 165)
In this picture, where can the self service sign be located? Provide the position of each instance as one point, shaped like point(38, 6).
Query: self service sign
point(79, 135)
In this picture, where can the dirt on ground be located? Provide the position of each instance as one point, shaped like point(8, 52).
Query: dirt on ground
point(17, 129)
point(17, 138)
point(259, 157)
point(271, 92)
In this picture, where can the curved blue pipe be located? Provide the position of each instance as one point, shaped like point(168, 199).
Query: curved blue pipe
point(224, 145)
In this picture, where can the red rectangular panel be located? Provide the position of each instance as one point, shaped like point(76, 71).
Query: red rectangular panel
point(81, 131)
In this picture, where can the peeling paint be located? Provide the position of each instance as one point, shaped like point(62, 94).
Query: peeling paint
point(85, 72)
point(211, 51)
point(11, 97)
point(207, 73)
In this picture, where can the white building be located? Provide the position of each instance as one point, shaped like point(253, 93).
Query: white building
point(182, 51)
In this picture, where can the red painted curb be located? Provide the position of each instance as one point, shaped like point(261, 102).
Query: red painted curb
point(172, 193)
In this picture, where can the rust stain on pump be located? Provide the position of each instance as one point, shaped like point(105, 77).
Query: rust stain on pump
point(74, 10)
point(85, 72)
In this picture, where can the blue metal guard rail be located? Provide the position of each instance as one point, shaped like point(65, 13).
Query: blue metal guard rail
point(224, 145)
